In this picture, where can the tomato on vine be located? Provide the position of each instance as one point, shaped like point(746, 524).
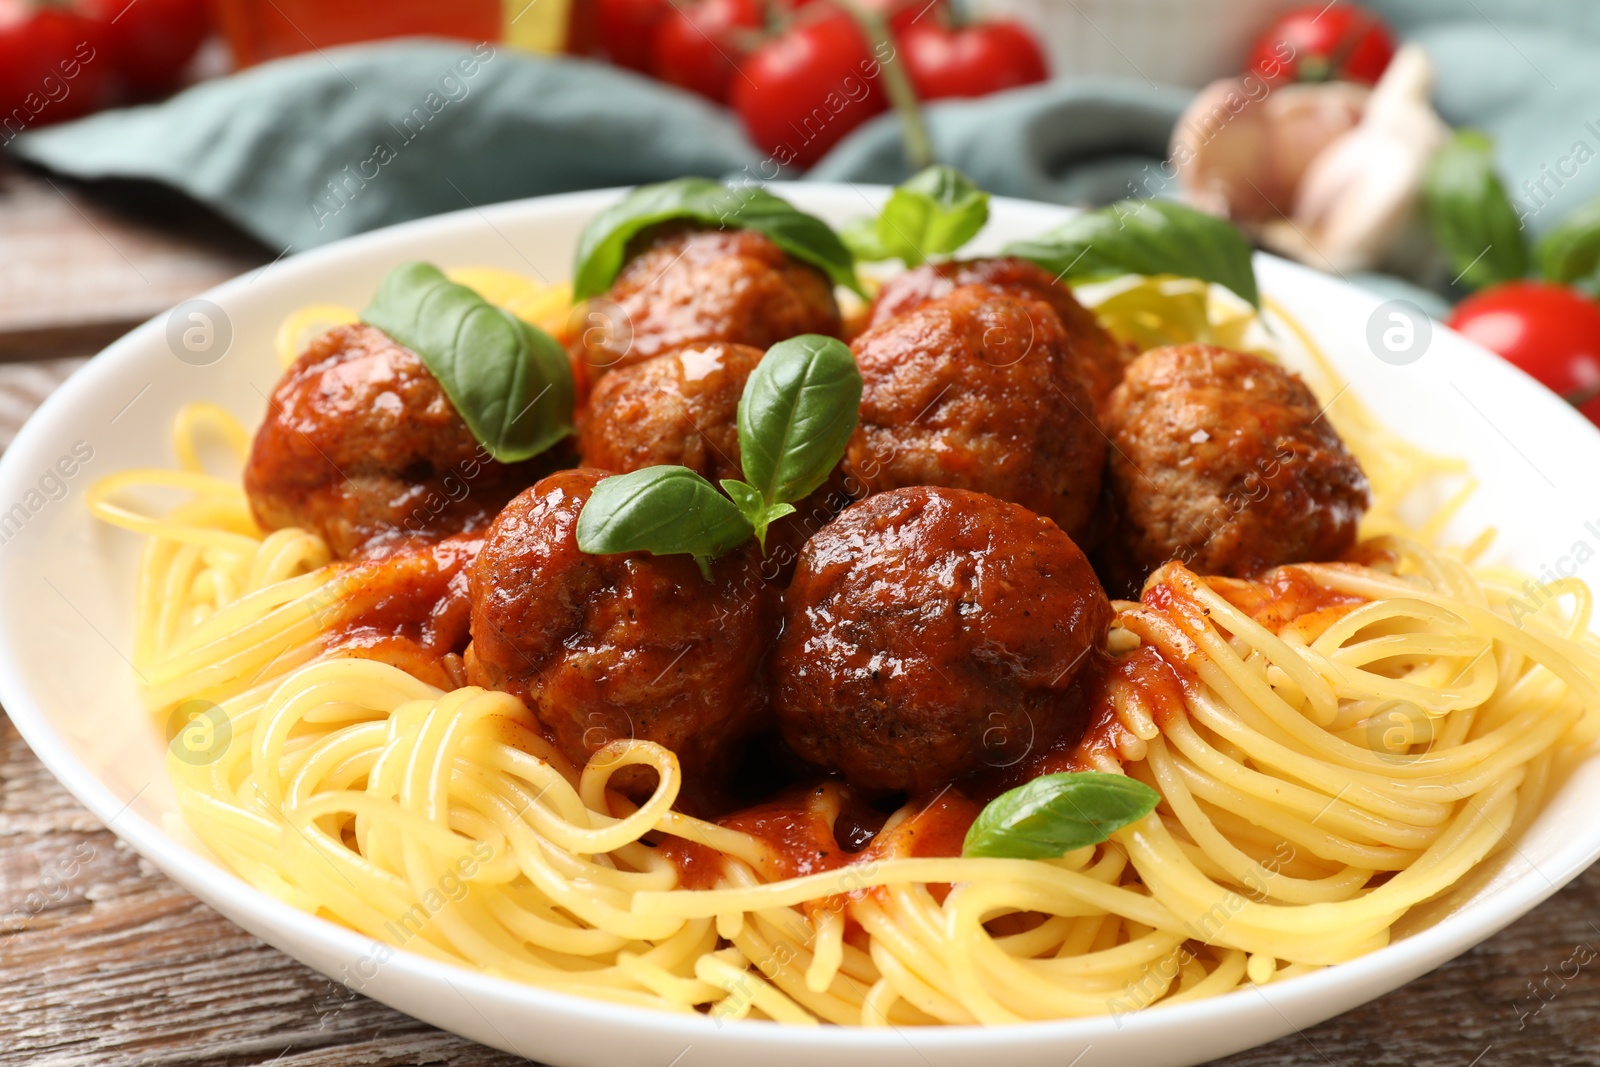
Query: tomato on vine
point(699, 45)
point(974, 60)
point(627, 29)
point(1552, 332)
point(54, 65)
point(801, 92)
point(1323, 42)
point(151, 42)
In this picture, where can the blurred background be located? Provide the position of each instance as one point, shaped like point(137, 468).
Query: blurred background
point(1432, 150)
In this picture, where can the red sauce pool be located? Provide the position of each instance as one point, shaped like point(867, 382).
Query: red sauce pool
point(699, 866)
point(795, 824)
point(1283, 596)
point(409, 607)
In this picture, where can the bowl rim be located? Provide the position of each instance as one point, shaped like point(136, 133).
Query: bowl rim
point(1304, 997)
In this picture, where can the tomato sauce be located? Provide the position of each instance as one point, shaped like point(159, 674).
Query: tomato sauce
point(825, 826)
point(1283, 596)
point(938, 828)
point(409, 608)
point(699, 866)
point(1143, 675)
point(798, 825)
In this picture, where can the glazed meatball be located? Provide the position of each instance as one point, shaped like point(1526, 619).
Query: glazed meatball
point(615, 646)
point(977, 390)
point(930, 633)
point(1100, 359)
point(693, 285)
point(1223, 461)
point(681, 407)
point(361, 445)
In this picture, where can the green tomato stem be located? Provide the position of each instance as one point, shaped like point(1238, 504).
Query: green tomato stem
point(902, 95)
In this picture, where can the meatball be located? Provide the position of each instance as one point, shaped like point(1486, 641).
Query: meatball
point(1223, 461)
point(682, 407)
point(630, 645)
point(694, 285)
point(977, 390)
point(1101, 360)
point(361, 445)
point(929, 633)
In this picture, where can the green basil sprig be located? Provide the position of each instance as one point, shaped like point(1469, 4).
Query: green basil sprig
point(795, 418)
point(1570, 253)
point(604, 242)
point(663, 510)
point(1056, 813)
point(932, 213)
point(1148, 237)
point(509, 380)
point(1471, 216)
point(796, 415)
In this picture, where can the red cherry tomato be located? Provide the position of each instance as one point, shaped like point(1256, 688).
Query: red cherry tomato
point(1316, 43)
point(53, 66)
point(971, 61)
point(799, 93)
point(627, 29)
point(151, 41)
point(699, 46)
point(1551, 331)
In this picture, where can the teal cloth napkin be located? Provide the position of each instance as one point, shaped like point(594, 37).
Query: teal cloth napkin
point(310, 149)
point(313, 148)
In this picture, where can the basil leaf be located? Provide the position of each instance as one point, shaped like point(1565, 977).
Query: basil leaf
point(750, 504)
point(796, 416)
point(932, 213)
point(1570, 254)
point(509, 380)
point(662, 510)
point(604, 242)
point(1056, 813)
point(1470, 215)
point(1149, 237)
point(861, 237)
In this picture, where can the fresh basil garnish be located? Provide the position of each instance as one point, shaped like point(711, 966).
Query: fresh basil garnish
point(664, 510)
point(509, 380)
point(795, 418)
point(932, 213)
point(1470, 215)
point(1570, 253)
point(604, 243)
point(755, 507)
point(796, 415)
point(1149, 237)
point(1056, 813)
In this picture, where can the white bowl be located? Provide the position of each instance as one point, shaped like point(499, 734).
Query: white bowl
point(1165, 42)
point(66, 612)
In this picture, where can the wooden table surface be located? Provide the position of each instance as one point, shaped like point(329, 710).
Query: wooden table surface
point(104, 961)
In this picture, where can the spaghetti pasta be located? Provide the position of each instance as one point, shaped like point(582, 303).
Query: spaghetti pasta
point(1321, 773)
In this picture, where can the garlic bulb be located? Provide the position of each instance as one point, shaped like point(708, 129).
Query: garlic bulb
point(1362, 190)
point(1242, 146)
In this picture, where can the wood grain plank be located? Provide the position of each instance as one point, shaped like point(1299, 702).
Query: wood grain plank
point(79, 270)
point(24, 386)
